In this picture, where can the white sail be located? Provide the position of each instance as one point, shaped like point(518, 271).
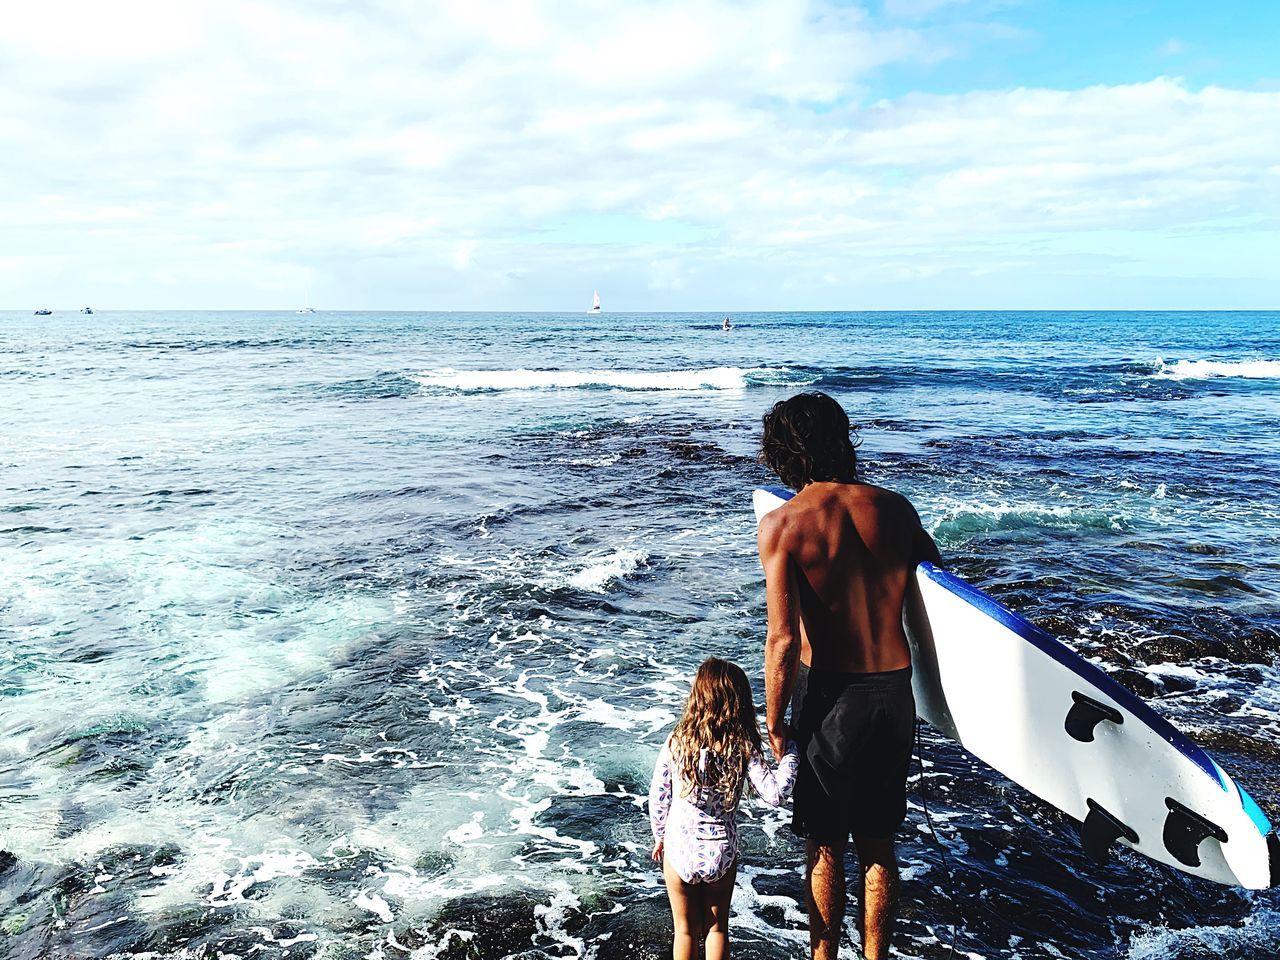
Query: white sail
point(595, 301)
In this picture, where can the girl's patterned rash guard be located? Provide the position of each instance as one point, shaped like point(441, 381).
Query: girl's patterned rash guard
point(699, 828)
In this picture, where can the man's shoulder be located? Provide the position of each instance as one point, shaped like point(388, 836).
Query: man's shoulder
point(879, 496)
point(782, 527)
point(882, 506)
point(773, 523)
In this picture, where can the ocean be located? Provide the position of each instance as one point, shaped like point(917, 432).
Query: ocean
point(355, 635)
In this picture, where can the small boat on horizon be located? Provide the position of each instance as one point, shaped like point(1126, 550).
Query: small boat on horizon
point(86, 309)
point(306, 302)
point(595, 303)
point(43, 312)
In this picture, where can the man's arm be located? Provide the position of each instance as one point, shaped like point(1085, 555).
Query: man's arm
point(922, 546)
point(782, 641)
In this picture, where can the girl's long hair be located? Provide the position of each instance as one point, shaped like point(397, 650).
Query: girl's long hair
point(720, 716)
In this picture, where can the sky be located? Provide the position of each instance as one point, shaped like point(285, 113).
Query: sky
point(722, 155)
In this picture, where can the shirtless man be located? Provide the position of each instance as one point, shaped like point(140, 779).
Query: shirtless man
point(838, 559)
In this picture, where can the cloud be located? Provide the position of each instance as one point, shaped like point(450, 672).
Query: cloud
point(1172, 47)
point(234, 152)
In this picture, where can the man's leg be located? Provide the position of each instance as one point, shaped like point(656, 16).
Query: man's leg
point(825, 894)
point(879, 865)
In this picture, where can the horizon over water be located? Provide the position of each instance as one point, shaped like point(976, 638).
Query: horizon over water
point(355, 634)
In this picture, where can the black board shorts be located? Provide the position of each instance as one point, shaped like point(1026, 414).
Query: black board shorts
point(854, 731)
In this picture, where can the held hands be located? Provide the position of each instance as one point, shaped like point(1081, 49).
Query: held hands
point(657, 852)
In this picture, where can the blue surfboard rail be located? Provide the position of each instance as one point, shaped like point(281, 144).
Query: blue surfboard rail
point(1082, 668)
point(1089, 673)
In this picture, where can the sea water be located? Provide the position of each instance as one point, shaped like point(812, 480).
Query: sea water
point(356, 634)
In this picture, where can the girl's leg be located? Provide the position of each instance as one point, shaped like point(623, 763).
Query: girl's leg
point(686, 913)
point(715, 913)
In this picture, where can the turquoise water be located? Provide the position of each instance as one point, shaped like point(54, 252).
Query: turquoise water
point(330, 635)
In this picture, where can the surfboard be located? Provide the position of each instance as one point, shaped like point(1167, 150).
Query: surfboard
point(1027, 705)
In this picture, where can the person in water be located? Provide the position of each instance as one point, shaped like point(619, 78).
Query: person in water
point(713, 752)
point(838, 559)
point(728, 324)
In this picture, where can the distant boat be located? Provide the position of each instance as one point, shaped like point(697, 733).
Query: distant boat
point(595, 303)
point(43, 312)
point(86, 309)
point(306, 303)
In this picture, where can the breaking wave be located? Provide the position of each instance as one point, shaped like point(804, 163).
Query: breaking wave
point(597, 575)
point(1211, 369)
point(709, 378)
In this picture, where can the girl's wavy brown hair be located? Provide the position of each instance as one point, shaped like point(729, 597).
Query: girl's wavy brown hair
point(808, 438)
point(719, 715)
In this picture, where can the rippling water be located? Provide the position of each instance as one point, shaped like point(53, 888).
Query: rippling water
point(355, 635)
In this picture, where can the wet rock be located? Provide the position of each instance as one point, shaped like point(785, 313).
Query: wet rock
point(81, 909)
point(195, 927)
point(433, 863)
point(256, 942)
point(1135, 682)
point(120, 750)
point(484, 927)
point(642, 931)
point(1168, 649)
point(593, 818)
point(687, 450)
point(1167, 683)
point(343, 872)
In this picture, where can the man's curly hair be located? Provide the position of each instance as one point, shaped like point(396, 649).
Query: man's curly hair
point(808, 439)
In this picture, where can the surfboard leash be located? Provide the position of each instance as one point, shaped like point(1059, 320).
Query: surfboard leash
point(942, 850)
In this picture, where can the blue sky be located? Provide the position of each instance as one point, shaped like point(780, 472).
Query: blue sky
point(1083, 42)
point(675, 154)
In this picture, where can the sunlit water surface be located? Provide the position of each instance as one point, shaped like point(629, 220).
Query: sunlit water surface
point(356, 635)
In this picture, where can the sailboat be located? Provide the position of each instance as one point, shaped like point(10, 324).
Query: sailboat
point(595, 303)
point(306, 302)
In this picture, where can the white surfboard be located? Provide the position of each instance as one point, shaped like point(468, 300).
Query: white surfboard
point(1025, 704)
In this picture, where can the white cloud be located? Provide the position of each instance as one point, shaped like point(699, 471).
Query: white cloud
point(389, 148)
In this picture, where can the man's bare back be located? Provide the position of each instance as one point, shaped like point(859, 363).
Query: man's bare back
point(852, 548)
point(838, 559)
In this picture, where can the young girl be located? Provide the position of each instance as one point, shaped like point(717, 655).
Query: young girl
point(693, 803)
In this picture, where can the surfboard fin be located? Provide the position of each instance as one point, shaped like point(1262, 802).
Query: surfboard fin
point(1185, 830)
point(1086, 713)
point(1101, 829)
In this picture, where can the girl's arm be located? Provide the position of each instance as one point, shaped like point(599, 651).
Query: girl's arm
point(660, 794)
point(774, 786)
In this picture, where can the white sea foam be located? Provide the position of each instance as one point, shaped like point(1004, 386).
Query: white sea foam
point(596, 576)
point(375, 905)
point(710, 378)
point(1210, 369)
point(1259, 932)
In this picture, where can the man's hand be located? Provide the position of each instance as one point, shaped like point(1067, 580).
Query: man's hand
point(657, 852)
point(778, 741)
point(782, 640)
